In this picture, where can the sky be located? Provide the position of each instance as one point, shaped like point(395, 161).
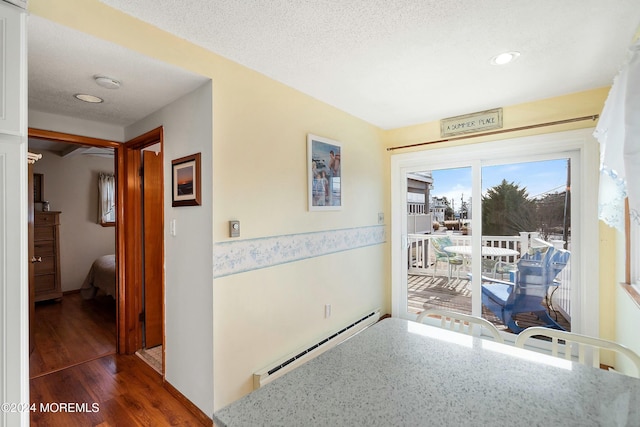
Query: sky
point(537, 177)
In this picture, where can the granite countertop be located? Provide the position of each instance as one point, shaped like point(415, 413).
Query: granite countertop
point(401, 373)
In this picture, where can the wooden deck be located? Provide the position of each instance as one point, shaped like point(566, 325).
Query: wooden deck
point(455, 295)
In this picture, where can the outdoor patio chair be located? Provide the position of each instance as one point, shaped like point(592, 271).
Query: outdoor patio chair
point(438, 244)
point(502, 268)
point(459, 322)
point(536, 273)
point(585, 346)
point(497, 267)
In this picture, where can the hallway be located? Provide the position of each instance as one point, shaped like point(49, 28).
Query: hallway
point(76, 379)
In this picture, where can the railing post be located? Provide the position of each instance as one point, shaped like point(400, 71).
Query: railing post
point(524, 242)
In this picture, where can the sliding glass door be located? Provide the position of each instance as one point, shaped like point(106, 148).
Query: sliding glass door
point(465, 219)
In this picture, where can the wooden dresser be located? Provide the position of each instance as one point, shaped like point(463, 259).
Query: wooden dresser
point(46, 242)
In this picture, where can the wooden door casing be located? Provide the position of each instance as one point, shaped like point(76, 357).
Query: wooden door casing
point(153, 243)
point(32, 287)
point(131, 325)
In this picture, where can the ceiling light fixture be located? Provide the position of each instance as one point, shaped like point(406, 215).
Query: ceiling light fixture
point(505, 58)
point(88, 98)
point(106, 82)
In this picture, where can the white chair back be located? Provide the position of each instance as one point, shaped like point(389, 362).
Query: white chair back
point(584, 345)
point(463, 323)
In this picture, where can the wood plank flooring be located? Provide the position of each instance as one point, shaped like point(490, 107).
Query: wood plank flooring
point(74, 364)
point(110, 391)
point(72, 331)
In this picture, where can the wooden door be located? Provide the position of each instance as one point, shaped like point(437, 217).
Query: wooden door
point(153, 244)
point(32, 286)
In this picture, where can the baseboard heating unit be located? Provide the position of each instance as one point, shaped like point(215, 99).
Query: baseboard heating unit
point(297, 358)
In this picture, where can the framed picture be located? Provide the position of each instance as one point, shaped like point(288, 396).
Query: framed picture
point(324, 165)
point(38, 187)
point(186, 181)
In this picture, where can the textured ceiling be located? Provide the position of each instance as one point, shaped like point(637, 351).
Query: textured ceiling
point(62, 62)
point(400, 62)
point(390, 62)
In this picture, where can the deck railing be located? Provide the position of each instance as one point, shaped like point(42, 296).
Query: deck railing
point(416, 208)
point(421, 259)
point(419, 223)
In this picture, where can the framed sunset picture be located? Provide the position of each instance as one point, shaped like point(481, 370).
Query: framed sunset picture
point(186, 180)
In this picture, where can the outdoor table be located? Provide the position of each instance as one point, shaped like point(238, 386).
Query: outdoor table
point(486, 251)
point(401, 373)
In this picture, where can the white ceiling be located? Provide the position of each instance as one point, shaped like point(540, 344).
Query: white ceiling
point(390, 62)
point(63, 62)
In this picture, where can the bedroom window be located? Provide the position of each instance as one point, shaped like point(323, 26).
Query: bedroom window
point(107, 200)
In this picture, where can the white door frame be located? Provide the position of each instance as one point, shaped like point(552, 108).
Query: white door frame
point(14, 271)
point(577, 143)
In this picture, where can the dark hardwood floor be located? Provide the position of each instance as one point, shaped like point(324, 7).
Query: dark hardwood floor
point(110, 391)
point(72, 331)
point(78, 380)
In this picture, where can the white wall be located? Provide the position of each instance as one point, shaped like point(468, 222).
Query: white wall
point(187, 126)
point(627, 311)
point(628, 319)
point(74, 126)
point(71, 187)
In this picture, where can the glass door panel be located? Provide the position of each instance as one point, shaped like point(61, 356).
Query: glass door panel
point(438, 218)
point(522, 206)
point(526, 208)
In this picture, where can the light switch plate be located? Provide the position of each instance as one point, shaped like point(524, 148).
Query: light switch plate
point(234, 228)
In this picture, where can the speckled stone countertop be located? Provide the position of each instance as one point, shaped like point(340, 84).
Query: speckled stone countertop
point(401, 373)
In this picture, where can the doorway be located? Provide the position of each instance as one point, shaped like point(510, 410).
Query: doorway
point(130, 271)
point(468, 174)
point(152, 318)
point(67, 327)
point(144, 249)
point(523, 204)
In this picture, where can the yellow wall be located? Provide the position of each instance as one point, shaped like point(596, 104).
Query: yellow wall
point(543, 111)
point(259, 165)
point(260, 177)
point(580, 104)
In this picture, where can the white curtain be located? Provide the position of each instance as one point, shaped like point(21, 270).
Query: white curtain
point(618, 132)
point(107, 197)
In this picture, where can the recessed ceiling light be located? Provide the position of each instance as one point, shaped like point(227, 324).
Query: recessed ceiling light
point(106, 82)
point(88, 98)
point(505, 58)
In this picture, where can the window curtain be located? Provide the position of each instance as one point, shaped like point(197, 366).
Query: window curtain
point(618, 132)
point(107, 197)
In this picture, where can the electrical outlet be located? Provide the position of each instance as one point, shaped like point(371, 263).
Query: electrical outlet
point(327, 311)
point(380, 218)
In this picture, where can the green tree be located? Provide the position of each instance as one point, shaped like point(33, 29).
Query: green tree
point(448, 211)
point(507, 210)
point(550, 214)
